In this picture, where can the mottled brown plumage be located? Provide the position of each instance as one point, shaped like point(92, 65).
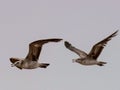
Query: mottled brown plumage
point(91, 58)
point(31, 60)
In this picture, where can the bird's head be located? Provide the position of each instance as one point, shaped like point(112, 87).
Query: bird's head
point(78, 60)
point(16, 62)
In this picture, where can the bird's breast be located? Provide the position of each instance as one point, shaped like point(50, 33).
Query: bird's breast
point(30, 65)
point(89, 62)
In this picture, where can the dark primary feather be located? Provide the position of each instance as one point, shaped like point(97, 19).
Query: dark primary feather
point(36, 47)
point(67, 44)
point(97, 48)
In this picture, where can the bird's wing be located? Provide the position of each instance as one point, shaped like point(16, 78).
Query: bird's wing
point(82, 54)
point(97, 48)
point(36, 47)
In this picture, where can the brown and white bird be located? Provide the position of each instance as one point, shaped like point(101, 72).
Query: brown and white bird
point(31, 60)
point(91, 58)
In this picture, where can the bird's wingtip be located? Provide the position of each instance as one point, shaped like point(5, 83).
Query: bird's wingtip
point(67, 44)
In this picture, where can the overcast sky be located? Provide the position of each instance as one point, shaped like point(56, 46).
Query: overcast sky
point(81, 22)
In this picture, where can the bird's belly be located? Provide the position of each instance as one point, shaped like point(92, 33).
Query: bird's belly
point(89, 62)
point(30, 65)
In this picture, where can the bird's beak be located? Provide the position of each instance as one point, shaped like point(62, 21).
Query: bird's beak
point(73, 60)
point(12, 65)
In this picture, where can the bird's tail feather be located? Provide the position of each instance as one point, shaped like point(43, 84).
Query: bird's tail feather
point(101, 63)
point(44, 65)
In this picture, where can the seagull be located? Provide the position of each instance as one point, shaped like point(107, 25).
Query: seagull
point(31, 60)
point(91, 58)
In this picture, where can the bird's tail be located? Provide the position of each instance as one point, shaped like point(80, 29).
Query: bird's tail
point(101, 63)
point(44, 65)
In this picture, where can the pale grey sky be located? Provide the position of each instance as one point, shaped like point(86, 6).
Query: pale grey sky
point(81, 22)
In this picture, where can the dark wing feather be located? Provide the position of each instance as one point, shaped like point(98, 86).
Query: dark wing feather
point(82, 54)
point(36, 47)
point(97, 48)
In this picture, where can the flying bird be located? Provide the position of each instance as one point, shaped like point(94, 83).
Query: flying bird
point(91, 58)
point(31, 60)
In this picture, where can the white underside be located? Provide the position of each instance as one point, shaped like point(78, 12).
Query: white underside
point(89, 62)
point(30, 65)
